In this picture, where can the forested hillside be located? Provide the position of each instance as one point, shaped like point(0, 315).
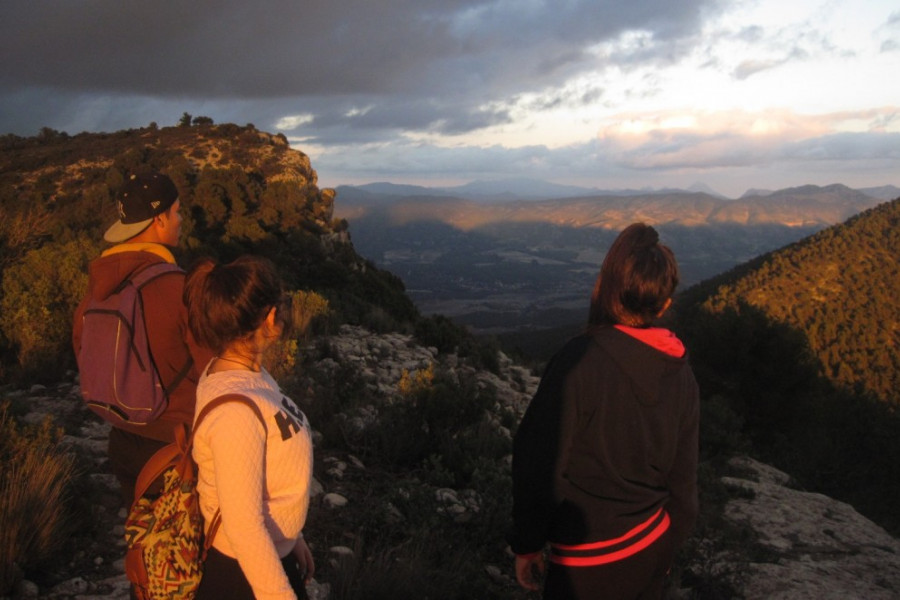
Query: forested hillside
point(241, 190)
point(841, 288)
point(796, 353)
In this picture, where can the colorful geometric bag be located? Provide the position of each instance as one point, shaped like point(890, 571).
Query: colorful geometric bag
point(166, 546)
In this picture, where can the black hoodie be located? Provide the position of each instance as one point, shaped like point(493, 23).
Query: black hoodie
point(609, 439)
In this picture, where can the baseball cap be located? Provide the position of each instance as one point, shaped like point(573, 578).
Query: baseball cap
point(141, 198)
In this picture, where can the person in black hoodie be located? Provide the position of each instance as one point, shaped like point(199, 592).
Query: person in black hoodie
point(605, 458)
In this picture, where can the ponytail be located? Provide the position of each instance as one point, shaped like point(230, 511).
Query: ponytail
point(638, 277)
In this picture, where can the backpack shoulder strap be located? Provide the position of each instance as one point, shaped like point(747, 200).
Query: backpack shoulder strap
point(223, 399)
point(152, 271)
point(216, 521)
point(172, 454)
point(141, 279)
point(162, 460)
point(179, 377)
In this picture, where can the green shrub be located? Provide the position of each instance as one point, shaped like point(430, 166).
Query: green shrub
point(39, 296)
point(442, 423)
point(440, 332)
point(721, 427)
point(418, 568)
point(398, 572)
point(482, 353)
point(416, 552)
point(448, 337)
point(34, 488)
point(329, 395)
point(436, 432)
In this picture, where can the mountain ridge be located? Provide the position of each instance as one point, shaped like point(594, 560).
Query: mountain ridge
point(536, 189)
point(793, 207)
point(798, 347)
point(240, 189)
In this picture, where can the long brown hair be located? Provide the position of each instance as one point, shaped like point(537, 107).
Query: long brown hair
point(229, 302)
point(638, 276)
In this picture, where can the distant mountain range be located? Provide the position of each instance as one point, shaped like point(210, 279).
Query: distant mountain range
point(529, 263)
point(491, 190)
point(469, 207)
point(533, 189)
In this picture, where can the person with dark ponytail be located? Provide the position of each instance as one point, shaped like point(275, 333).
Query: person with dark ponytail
point(605, 458)
point(257, 475)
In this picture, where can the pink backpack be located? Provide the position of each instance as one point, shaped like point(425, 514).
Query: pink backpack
point(119, 380)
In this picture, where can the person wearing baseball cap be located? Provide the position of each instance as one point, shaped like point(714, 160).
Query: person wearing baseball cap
point(147, 228)
point(141, 200)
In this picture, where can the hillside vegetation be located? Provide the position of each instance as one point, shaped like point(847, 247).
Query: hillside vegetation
point(841, 288)
point(796, 353)
point(242, 190)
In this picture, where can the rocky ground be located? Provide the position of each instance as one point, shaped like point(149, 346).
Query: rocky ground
point(94, 567)
point(819, 548)
point(814, 547)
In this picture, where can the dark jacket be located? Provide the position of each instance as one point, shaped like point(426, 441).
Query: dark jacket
point(166, 318)
point(610, 437)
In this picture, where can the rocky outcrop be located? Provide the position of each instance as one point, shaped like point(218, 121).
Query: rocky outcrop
point(819, 548)
point(381, 360)
point(94, 567)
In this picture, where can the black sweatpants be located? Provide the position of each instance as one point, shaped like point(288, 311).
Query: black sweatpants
point(128, 453)
point(223, 578)
point(641, 576)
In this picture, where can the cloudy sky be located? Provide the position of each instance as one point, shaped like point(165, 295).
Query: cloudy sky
point(735, 94)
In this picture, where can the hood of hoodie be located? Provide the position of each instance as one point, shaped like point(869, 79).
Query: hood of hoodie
point(657, 337)
point(649, 368)
point(121, 262)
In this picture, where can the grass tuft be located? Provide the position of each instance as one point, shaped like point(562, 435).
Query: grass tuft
point(34, 489)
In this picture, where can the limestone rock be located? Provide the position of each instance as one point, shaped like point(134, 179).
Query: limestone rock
point(318, 591)
point(824, 548)
point(334, 500)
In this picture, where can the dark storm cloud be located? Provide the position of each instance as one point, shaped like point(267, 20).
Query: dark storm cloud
point(445, 58)
point(404, 113)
